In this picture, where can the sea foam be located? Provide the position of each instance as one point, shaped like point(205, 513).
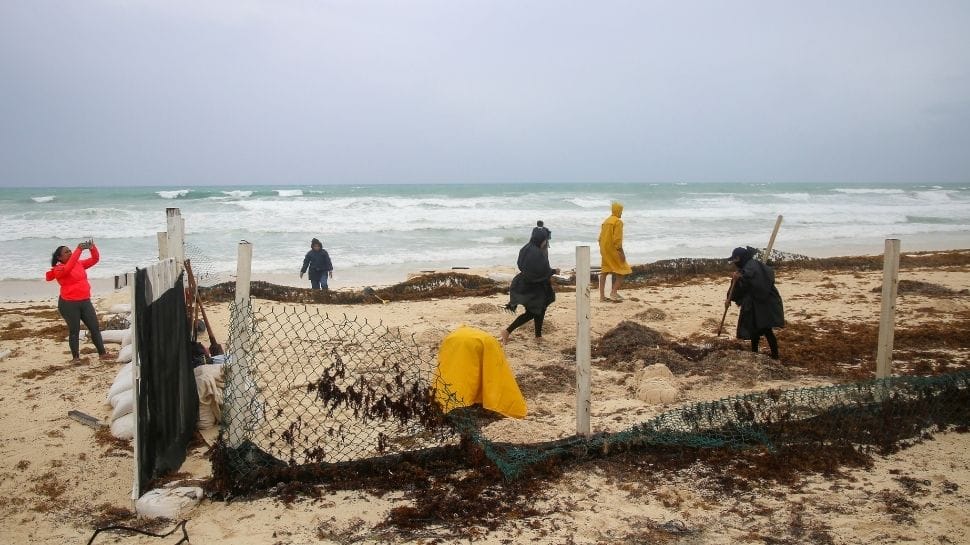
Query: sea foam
point(238, 194)
point(435, 226)
point(175, 194)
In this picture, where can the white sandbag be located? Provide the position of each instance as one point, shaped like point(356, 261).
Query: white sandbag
point(119, 308)
point(121, 382)
point(168, 503)
point(126, 338)
point(123, 404)
point(114, 335)
point(116, 399)
point(124, 355)
point(209, 382)
point(124, 427)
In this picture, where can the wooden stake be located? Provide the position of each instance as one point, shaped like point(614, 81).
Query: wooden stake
point(771, 241)
point(887, 319)
point(583, 348)
point(162, 245)
point(176, 236)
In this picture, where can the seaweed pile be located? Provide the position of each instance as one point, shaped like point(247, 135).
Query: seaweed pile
point(689, 268)
point(428, 286)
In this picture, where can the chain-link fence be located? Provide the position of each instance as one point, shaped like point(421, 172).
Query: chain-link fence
point(206, 272)
point(305, 387)
point(308, 394)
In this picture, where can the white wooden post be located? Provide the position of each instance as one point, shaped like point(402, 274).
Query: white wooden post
point(582, 342)
point(241, 396)
point(136, 385)
point(771, 241)
point(887, 319)
point(162, 245)
point(176, 237)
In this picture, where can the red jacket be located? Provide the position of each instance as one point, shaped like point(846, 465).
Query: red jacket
point(72, 276)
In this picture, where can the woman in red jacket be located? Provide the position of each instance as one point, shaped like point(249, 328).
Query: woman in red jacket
point(74, 304)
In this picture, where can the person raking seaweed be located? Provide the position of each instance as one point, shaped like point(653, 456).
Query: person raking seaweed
point(317, 261)
point(754, 291)
point(532, 287)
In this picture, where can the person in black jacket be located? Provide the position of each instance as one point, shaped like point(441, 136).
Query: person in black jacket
point(532, 287)
point(317, 261)
point(761, 306)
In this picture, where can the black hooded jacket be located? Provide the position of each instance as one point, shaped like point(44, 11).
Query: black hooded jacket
point(532, 287)
point(760, 302)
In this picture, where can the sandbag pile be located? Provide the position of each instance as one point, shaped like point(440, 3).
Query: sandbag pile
point(122, 312)
point(210, 381)
point(121, 397)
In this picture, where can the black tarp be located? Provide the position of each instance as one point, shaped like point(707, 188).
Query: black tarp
point(168, 402)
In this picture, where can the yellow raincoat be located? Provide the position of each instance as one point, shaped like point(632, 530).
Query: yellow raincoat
point(472, 369)
point(611, 241)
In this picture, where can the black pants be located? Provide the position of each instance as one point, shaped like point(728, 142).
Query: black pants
point(318, 280)
point(768, 334)
point(525, 317)
point(75, 312)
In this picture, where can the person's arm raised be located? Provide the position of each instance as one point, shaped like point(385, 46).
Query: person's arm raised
point(95, 256)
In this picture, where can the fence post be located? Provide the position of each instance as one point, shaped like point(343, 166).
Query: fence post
point(175, 245)
point(136, 386)
point(241, 397)
point(582, 341)
point(162, 245)
point(887, 320)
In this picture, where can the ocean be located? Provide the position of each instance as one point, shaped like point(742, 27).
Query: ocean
point(377, 234)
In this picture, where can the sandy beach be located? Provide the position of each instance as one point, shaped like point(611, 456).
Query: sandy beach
point(59, 479)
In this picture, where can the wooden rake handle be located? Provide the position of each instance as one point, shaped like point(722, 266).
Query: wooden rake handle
point(727, 305)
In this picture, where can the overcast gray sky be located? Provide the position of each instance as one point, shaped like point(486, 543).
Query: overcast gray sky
point(236, 92)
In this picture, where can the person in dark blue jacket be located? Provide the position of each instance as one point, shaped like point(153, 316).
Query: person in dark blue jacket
point(317, 261)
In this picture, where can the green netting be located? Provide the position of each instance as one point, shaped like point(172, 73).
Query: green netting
point(309, 395)
point(878, 413)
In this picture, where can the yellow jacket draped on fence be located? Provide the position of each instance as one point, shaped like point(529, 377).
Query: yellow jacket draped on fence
point(472, 369)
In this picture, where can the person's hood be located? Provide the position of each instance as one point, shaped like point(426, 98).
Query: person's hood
point(617, 209)
point(539, 235)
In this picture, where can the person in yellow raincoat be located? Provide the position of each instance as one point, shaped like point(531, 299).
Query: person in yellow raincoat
point(611, 253)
